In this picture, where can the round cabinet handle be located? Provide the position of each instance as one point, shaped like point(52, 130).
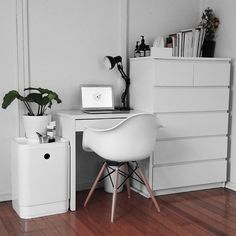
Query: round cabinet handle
point(46, 156)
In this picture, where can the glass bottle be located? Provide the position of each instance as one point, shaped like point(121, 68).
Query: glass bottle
point(136, 51)
point(142, 47)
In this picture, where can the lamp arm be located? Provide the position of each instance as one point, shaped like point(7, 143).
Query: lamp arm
point(127, 83)
point(124, 94)
point(123, 75)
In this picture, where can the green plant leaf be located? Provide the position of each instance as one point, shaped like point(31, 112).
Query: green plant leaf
point(46, 93)
point(10, 97)
point(34, 97)
point(42, 97)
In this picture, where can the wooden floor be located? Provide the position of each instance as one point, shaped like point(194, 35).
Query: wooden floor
point(211, 212)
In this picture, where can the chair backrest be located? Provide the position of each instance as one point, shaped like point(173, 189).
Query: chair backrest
point(132, 139)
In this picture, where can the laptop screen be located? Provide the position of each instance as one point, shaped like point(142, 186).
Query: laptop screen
point(96, 97)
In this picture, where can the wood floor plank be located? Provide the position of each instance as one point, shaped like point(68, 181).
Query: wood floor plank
point(3, 231)
point(164, 218)
point(196, 230)
point(42, 223)
point(76, 224)
point(35, 233)
point(200, 213)
point(220, 207)
point(209, 211)
point(196, 215)
point(12, 225)
point(50, 232)
point(218, 199)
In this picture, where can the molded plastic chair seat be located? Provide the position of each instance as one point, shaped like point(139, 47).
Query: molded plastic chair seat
point(131, 140)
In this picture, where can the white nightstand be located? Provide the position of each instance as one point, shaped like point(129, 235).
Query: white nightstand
point(39, 177)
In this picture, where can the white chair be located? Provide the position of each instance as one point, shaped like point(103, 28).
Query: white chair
point(131, 140)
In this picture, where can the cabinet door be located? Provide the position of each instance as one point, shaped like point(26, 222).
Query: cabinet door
point(42, 173)
point(190, 174)
point(173, 73)
point(190, 99)
point(193, 149)
point(211, 74)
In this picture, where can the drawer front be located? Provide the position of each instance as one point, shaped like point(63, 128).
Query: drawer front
point(96, 124)
point(173, 73)
point(190, 99)
point(194, 149)
point(166, 177)
point(211, 74)
point(192, 124)
point(39, 172)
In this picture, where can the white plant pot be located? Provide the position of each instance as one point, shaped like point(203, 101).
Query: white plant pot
point(33, 124)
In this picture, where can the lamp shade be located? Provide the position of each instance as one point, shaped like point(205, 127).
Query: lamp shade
point(110, 62)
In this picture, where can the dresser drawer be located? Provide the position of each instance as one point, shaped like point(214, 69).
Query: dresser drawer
point(173, 73)
point(190, 99)
point(198, 173)
point(96, 124)
point(179, 125)
point(211, 74)
point(186, 150)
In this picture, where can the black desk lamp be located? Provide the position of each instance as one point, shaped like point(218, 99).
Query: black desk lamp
point(110, 63)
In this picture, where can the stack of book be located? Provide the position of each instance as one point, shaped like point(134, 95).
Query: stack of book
point(188, 43)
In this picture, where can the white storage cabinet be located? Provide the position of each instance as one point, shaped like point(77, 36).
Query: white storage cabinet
point(190, 96)
point(39, 177)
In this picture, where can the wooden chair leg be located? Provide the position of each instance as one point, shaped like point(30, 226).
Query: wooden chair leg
point(148, 188)
point(114, 194)
point(95, 183)
point(127, 183)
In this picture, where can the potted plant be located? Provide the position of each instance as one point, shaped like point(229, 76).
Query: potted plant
point(210, 23)
point(37, 101)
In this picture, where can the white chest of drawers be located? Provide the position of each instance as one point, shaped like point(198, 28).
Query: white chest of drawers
point(190, 96)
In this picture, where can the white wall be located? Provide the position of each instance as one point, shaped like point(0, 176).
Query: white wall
point(8, 118)
point(226, 47)
point(68, 40)
point(155, 18)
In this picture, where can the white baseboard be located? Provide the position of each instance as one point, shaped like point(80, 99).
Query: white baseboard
point(189, 188)
point(5, 197)
point(231, 186)
point(181, 189)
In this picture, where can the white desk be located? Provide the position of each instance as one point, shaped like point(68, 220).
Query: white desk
point(72, 121)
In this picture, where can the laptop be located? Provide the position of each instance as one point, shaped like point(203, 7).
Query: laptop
point(98, 99)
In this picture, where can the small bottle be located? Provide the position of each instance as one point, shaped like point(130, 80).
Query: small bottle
point(142, 47)
point(136, 51)
point(147, 51)
point(51, 131)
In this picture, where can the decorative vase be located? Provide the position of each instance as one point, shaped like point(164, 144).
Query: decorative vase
point(33, 124)
point(208, 48)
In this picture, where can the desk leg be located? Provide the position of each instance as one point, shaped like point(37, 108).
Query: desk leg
point(66, 129)
point(73, 174)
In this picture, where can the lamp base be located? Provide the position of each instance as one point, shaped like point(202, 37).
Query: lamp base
point(123, 108)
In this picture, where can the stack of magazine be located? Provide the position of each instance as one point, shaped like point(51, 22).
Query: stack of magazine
point(188, 43)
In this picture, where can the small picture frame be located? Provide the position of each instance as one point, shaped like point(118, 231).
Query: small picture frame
point(96, 97)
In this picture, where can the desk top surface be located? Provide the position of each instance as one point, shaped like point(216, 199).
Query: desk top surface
point(80, 115)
